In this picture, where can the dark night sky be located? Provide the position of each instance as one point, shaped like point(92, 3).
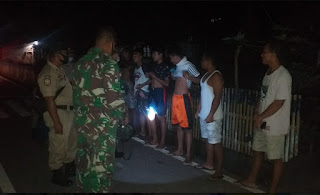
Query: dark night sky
point(156, 21)
point(162, 22)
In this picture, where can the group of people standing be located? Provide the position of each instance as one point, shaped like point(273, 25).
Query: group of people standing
point(108, 89)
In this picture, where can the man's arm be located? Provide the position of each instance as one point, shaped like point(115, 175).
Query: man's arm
point(283, 93)
point(192, 74)
point(272, 109)
point(148, 82)
point(216, 82)
point(198, 109)
point(195, 79)
point(164, 82)
point(114, 103)
point(52, 109)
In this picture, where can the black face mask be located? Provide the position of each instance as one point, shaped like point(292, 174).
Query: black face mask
point(65, 59)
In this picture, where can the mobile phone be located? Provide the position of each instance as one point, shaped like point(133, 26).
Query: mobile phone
point(263, 125)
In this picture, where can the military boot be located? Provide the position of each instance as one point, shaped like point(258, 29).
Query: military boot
point(70, 169)
point(59, 178)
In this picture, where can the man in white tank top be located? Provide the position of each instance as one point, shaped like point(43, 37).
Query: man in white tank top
point(210, 114)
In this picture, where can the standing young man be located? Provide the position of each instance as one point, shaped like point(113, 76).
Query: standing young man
point(272, 116)
point(141, 90)
point(210, 114)
point(184, 75)
point(158, 95)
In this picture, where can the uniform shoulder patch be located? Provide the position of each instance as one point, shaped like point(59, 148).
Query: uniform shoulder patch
point(47, 81)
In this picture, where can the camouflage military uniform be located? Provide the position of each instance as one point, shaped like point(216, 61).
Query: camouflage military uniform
point(99, 105)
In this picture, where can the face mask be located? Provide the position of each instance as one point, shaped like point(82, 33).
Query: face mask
point(65, 59)
point(70, 59)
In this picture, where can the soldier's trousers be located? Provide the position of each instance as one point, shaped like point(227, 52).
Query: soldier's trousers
point(62, 148)
point(95, 159)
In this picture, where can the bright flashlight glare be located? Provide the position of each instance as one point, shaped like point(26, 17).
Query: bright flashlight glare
point(36, 42)
point(151, 113)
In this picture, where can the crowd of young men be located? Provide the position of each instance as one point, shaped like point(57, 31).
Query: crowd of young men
point(100, 100)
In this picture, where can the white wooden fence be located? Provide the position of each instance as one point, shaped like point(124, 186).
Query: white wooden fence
point(237, 128)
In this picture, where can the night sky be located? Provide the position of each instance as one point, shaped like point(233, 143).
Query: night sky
point(160, 22)
point(154, 20)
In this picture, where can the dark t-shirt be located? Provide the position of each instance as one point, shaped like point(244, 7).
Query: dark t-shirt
point(162, 70)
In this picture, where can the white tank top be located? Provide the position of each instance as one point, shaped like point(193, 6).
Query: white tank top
point(207, 96)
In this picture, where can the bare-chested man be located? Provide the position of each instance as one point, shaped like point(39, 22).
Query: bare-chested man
point(158, 95)
point(184, 75)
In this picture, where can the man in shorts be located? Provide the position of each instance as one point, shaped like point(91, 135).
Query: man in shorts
point(272, 116)
point(184, 75)
point(158, 94)
point(210, 114)
point(141, 89)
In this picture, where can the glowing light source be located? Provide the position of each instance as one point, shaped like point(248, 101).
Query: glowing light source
point(36, 43)
point(151, 113)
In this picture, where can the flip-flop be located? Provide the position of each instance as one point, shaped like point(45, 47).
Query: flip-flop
point(202, 167)
point(187, 163)
point(159, 149)
point(215, 178)
point(240, 182)
point(173, 154)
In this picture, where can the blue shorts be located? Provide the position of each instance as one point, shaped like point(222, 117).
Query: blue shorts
point(158, 100)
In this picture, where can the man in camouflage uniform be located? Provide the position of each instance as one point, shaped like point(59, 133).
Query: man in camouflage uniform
point(99, 105)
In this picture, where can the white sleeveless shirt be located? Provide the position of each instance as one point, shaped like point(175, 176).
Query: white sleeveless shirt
point(207, 96)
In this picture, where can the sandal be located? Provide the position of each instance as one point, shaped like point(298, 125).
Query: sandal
point(187, 162)
point(202, 167)
point(174, 154)
point(215, 177)
point(252, 186)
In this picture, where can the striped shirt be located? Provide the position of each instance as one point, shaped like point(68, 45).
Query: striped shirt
point(185, 66)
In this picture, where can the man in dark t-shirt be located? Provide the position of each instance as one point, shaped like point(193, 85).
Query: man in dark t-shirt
point(158, 95)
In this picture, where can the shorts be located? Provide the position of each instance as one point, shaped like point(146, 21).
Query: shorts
point(182, 111)
point(158, 100)
point(142, 102)
point(272, 145)
point(211, 131)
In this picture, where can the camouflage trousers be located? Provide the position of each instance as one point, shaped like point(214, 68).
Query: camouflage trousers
point(95, 159)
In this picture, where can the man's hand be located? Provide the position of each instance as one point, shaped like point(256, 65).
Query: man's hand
point(58, 128)
point(257, 121)
point(197, 112)
point(127, 120)
point(141, 94)
point(139, 86)
point(186, 75)
point(152, 75)
point(209, 119)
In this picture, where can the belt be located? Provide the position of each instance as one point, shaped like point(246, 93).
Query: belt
point(65, 107)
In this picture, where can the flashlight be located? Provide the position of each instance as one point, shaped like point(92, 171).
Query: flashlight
point(151, 113)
